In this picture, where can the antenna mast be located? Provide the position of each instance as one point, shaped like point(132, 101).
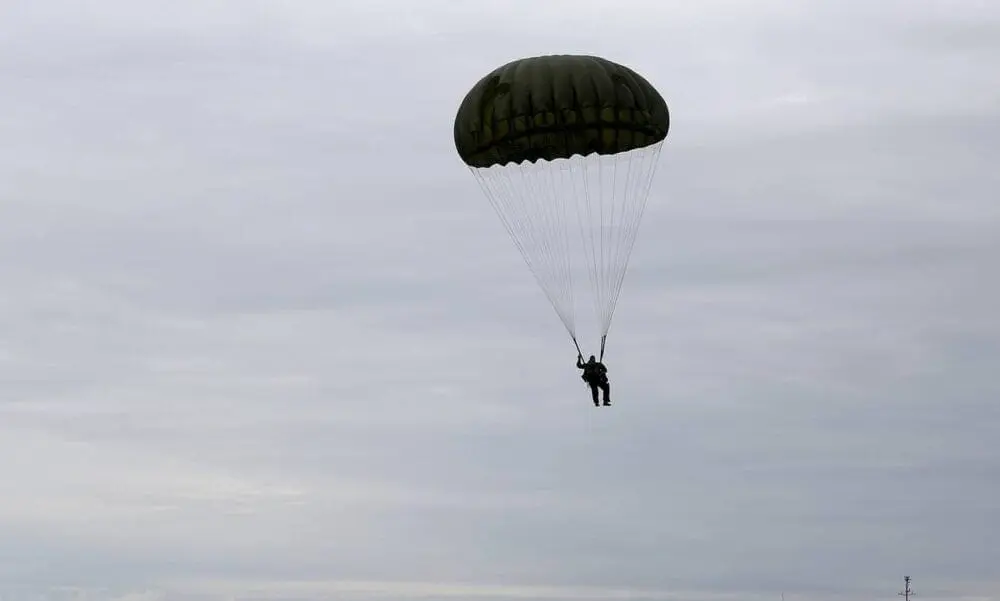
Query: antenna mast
point(906, 593)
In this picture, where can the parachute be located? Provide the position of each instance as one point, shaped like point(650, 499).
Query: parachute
point(565, 148)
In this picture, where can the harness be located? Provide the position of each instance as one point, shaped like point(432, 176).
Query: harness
point(594, 373)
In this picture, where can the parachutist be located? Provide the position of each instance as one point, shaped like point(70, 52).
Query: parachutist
point(595, 374)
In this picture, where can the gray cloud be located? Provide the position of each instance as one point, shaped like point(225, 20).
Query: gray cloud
point(261, 337)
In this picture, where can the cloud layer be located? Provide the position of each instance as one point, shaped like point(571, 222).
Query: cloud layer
point(261, 337)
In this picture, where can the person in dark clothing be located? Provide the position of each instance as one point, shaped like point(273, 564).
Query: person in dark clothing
point(596, 376)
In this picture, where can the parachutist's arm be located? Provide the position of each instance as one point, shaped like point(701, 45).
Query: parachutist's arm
point(579, 362)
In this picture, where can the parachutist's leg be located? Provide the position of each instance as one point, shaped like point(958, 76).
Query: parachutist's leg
point(606, 387)
point(593, 392)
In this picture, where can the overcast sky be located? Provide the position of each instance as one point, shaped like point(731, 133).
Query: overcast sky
point(262, 336)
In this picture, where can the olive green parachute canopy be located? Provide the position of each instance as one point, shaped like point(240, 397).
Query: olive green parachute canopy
point(555, 107)
point(565, 149)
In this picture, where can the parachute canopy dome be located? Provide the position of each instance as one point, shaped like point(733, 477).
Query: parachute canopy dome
point(555, 107)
